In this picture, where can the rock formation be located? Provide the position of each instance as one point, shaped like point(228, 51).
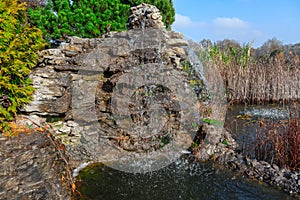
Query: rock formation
point(144, 16)
point(128, 97)
point(114, 89)
point(31, 168)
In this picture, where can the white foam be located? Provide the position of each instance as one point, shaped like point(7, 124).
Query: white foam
point(79, 168)
point(186, 152)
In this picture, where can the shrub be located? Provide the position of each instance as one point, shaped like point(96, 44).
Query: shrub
point(34, 3)
point(82, 18)
point(19, 43)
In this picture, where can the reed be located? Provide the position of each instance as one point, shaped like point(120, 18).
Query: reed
point(263, 82)
point(254, 80)
point(279, 142)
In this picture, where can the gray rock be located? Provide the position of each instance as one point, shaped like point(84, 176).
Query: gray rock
point(177, 42)
point(144, 16)
point(31, 169)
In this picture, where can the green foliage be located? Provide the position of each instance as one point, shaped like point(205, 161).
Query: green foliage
point(212, 121)
point(165, 6)
point(226, 54)
point(19, 43)
point(83, 18)
point(225, 142)
point(230, 56)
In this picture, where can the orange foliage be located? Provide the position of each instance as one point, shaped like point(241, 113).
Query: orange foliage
point(16, 129)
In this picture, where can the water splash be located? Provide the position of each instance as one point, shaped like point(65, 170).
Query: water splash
point(267, 113)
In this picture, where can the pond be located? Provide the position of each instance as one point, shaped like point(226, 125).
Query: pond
point(187, 179)
point(180, 180)
point(244, 122)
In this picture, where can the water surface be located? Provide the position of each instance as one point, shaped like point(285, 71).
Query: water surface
point(180, 180)
point(186, 179)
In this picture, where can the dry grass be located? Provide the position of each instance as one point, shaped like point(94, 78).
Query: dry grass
point(262, 82)
point(250, 80)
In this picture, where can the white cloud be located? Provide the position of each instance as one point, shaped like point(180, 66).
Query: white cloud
point(182, 21)
point(231, 23)
point(231, 28)
point(218, 29)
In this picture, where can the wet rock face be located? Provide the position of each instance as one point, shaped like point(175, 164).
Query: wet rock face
point(133, 92)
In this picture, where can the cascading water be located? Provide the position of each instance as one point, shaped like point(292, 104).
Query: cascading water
point(151, 112)
point(266, 112)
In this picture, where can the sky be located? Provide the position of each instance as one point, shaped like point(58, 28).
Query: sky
point(244, 21)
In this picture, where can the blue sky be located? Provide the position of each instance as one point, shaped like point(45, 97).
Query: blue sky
point(241, 20)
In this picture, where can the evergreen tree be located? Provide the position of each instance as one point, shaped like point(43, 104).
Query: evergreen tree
point(83, 18)
point(19, 43)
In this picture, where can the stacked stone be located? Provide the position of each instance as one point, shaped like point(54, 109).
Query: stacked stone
point(144, 16)
point(52, 78)
point(215, 143)
point(53, 75)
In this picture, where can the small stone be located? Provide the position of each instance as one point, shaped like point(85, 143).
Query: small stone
point(275, 167)
point(178, 51)
point(155, 16)
point(65, 129)
point(77, 40)
point(278, 180)
point(74, 140)
point(71, 124)
point(66, 67)
point(177, 42)
point(70, 53)
point(294, 176)
point(175, 35)
point(52, 52)
point(267, 165)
